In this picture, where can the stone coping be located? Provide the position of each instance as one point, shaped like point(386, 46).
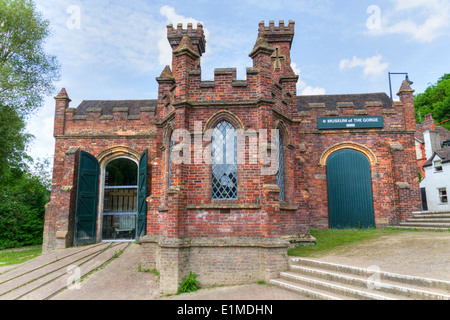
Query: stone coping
point(215, 242)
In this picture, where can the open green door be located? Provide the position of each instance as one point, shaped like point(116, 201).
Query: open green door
point(87, 200)
point(350, 200)
point(142, 196)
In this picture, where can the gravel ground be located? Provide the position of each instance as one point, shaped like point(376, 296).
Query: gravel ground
point(422, 254)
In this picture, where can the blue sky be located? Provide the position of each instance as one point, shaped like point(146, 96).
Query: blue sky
point(115, 49)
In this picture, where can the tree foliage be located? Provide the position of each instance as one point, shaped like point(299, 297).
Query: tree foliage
point(24, 191)
point(27, 72)
point(23, 195)
point(435, 100)
point(13, 140)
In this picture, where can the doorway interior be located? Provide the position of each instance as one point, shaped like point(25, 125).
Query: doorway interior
point(120, 197)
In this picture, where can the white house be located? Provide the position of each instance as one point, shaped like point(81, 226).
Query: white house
point(435, 186)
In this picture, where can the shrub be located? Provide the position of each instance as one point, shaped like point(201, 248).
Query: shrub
point(189, 284)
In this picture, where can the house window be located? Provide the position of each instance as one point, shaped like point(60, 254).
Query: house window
point(438, 166)
point(443, 196)
point(224, 162)
point(280, 172)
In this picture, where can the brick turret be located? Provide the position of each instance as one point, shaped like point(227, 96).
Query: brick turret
point(280, 39)
point(62, 104)
point(187, 47)
point(277, 41)
point(197, 37)
point(261, 61)
point(407, 99)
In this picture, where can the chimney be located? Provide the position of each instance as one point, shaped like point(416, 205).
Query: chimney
point(432, 142)
point(429, 122)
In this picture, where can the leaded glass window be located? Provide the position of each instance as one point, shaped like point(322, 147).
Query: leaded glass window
point(224, 181)
point(280, 172)
point(171, 143)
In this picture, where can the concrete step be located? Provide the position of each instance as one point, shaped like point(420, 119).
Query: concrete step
point(49, 274)
point(365, 272)
point(61, 283)
point(315, 294)
point(432, 220)
point(422, 228)
point(45, 260)
point(432, 216)
point(372, 282)
point(335, 288)
point(430, 212)
point(425, 224)
point(324, 280)
point(12, 280)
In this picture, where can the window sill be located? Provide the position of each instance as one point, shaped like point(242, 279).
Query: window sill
point(224, 206)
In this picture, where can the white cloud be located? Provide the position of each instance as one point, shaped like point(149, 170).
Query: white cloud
point(165, 51)
point(302, 88)
point(313, 91)
point(109, 35)
point(372, 66)
point(428, 19)
point(41, 126)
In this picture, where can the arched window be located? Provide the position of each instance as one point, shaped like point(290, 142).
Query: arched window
point(280, 171)
point(171, 143)
point(224, 180)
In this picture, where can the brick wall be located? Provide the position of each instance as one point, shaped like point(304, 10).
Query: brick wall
point(266, 100)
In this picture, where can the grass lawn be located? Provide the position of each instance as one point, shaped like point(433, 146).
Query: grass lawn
point(19, 255)
point(327, 240)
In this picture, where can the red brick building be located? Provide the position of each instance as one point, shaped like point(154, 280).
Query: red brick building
point(155, 170)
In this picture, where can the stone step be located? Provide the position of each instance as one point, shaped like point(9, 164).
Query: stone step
point(430, 212)
point(373, 283)
point(365, 272)
point(432, 216)
point(314, 294)
point(60, 283)
point(428, 219)
point(45, 260)
point(324, 280)
point(421, 228)
point(48, 275)
point(12, 280)
point(335, 288)
point(425, 224)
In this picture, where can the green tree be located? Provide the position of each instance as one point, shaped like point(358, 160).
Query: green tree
point(27, 72)
point(13, 141)
point(23, 195)
point(435, 100)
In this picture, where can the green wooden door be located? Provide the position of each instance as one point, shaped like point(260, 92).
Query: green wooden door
point(87, 199)
point(350, 200)
point(142, 196)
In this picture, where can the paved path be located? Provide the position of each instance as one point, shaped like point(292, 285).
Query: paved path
point(424, 254)
point(47, 275)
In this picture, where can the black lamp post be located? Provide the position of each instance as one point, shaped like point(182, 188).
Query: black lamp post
point(390, 83)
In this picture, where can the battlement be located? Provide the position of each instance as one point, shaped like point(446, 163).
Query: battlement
point(197, 36)
point(275, 33)
point(110, 117)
